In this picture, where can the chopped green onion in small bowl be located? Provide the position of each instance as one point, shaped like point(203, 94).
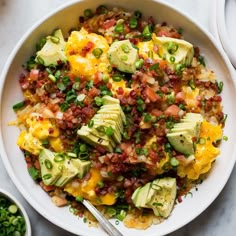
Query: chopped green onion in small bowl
point(13, 218)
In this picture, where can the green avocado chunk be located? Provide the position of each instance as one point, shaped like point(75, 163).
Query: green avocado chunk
point(107, 125)
point(175, 51)
point(123, 56)
point(183, 134)
point(57, 169)
point(158, 195)
point(53, 50)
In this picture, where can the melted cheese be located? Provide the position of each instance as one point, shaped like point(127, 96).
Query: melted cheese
point(191, 97)
point(86, 189)
point(205, 153)
point(146, 50)
point(86, 65)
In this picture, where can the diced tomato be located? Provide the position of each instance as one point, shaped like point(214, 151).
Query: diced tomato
point(34, 74)
point(47, 188)
point(165, 33)
point(151, 94)
point(87, 48)
point(109, 23)
point(172, 110)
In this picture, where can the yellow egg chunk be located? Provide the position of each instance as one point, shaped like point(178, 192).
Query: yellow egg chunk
point(29, 143)
point(191, 97)
point(146, 50)
point(205, 153)
point(79, 51)
point(56, 144)
point(86, 189)
point(42, 128)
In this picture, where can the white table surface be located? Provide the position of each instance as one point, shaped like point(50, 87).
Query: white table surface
point(16, 16)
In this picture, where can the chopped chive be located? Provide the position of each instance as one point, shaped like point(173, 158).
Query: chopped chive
point(18, 106)
point(48, 164)
point(133, 23)
point(90, 123)
point(88, 13)
point(109, 131)
point(97, 52)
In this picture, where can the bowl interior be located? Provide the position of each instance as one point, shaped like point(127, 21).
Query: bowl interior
point(65, 18)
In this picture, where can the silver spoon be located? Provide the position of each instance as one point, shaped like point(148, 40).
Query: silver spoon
point(105, 224)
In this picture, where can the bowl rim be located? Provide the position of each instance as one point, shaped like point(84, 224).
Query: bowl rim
point(14, 200)
point(3, 75)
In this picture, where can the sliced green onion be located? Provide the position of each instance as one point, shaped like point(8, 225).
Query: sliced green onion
point(202, 140)
point(102, 9)
point(138, 14)
point(111, 211)
point(88, 13)
point(48, 164)
point(174, 161)
point(147, 117)
point(109, 131)
point(172, 59)
point(83, 156)
point(34, 173)
point(18, 106)
point(98, 101)
point(124, 58)
point(192, 84)
point(76, 86)
point(105, 77)
point(54, 39)
point(79, 198)
point(139, 64)
point(59, 157)
point(90, 123)
point(101, 129)
point(52, 78)
point(47, 176)
point(61, 86)
point(220, 86)
point(119, 28)
point(172, 47)
point(117, 77)
point(83, 148)
point(40, 60)
point(118, 150)
point(133, 23)
point(97, 52)
point(72, 154)
point(147, 33)
point(100, 184)
point(201, 59)
point(125, 48)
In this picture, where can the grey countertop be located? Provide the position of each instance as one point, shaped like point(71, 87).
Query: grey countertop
point(16, 16)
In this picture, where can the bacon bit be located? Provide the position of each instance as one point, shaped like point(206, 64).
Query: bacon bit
point(120, 91)
point(172, 110)
point(153, 97)
point(86, 49)
point(179, 198)
point(47, 188)
point(156, 112)
point(59, 201)
point(165, 33)
point(109, 85)
point(109, 23)
point(50, 130)
point(36, 164)
point(34, 74)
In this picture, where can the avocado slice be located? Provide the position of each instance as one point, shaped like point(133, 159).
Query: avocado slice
point(158, 195)
point(162, 201)
point(82, 166)
point(49, 171)
point(93, 140)
point(111, 108)
point(98, 134)
point(53, 50)
point(117, 134)
point(108, 100)
point(139, 196)
point(69, 171)
point(181, 142)
point(123, 56)
point(60, 172)
point(175, 51)
point(191, 129)
point(114, 116)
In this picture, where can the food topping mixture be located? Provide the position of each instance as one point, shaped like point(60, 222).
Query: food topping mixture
point(124, 112)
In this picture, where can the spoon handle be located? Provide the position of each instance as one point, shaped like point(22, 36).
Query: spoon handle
point(105, 224)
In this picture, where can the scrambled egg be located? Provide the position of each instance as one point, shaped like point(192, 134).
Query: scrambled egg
point(191, 97)
point(205, 153)
point(146, 49)
point(39, 129)
point(82, 62)
point(86, 189)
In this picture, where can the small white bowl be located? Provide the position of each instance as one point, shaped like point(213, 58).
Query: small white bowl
point(12, 199)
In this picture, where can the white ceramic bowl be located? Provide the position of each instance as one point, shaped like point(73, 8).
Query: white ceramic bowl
point(11, 198)
point(65, 18)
